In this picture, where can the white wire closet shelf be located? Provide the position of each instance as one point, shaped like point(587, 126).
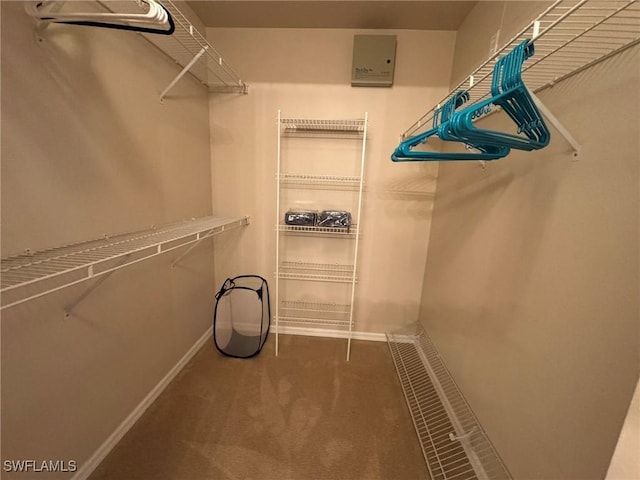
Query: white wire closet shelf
point(34, 274)
point(350, 231)
point(301, 127)
point(304, 180)
point(324, 314)
point(189, 49)
point(569, 36)
point(453, 442)
point(186, 46)
point(318, 272)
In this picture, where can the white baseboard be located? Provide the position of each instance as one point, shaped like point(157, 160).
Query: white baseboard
point(321, 332)
point(90, 465)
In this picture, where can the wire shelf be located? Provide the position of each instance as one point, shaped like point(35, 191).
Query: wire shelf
point(318, 272)
point(314, 313)
point(323, 128)
point(347, 182)
point(189, 49)
point(350, 231)
point(71, 264)
point(569, 36)
point(453, 442)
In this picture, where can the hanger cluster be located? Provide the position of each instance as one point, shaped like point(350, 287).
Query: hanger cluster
point(509, 92)
point(152, 18)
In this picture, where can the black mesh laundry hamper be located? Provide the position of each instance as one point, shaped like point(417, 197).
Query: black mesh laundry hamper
point(242, 316)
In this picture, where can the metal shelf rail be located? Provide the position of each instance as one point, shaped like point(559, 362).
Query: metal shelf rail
point(453, 442)
point(569, 36)
point(34, 274)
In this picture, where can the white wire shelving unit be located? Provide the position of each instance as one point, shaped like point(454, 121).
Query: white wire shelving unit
point(453, 442)
point(299, 312)
point(569, 36)
point(35, 274)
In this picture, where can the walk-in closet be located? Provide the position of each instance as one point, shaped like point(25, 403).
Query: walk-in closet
point(440, 199)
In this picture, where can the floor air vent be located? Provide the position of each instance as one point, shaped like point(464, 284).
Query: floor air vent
point(453, 442)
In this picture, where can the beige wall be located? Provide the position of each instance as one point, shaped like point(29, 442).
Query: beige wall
point(488, 24)
point(531, 285)
point(306, 73)
point(625, 462)
point(88, 150)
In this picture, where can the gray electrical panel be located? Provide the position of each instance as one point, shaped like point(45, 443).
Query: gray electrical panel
point(374, 59)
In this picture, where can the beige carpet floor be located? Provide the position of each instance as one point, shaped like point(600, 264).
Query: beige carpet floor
point(306, 414)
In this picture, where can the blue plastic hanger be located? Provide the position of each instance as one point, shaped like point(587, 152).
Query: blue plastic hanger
point(510, 93)
point(441, 117)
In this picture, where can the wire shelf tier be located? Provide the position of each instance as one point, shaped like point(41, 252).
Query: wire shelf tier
point(453, 442)
point(293, 180)
point(70, 264)
point(569, 36)
point(323, 128)
point(318, 272)
point(191, 50)
point(186, 46)
point(350, 231)
point(314, 313)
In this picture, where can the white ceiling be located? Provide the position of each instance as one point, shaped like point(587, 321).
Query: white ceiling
point(357, 14)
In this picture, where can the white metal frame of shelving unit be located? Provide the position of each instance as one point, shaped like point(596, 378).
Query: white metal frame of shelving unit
point(453, 442)
point(317, 314)
point(569, 36)
point(34, 274)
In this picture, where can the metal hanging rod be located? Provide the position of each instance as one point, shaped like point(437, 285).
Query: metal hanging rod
point(34, 274)
point(569, 36)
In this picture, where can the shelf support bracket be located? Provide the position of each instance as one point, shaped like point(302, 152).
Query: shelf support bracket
point(553, 120)
point(68, 310)
point(184, 71)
